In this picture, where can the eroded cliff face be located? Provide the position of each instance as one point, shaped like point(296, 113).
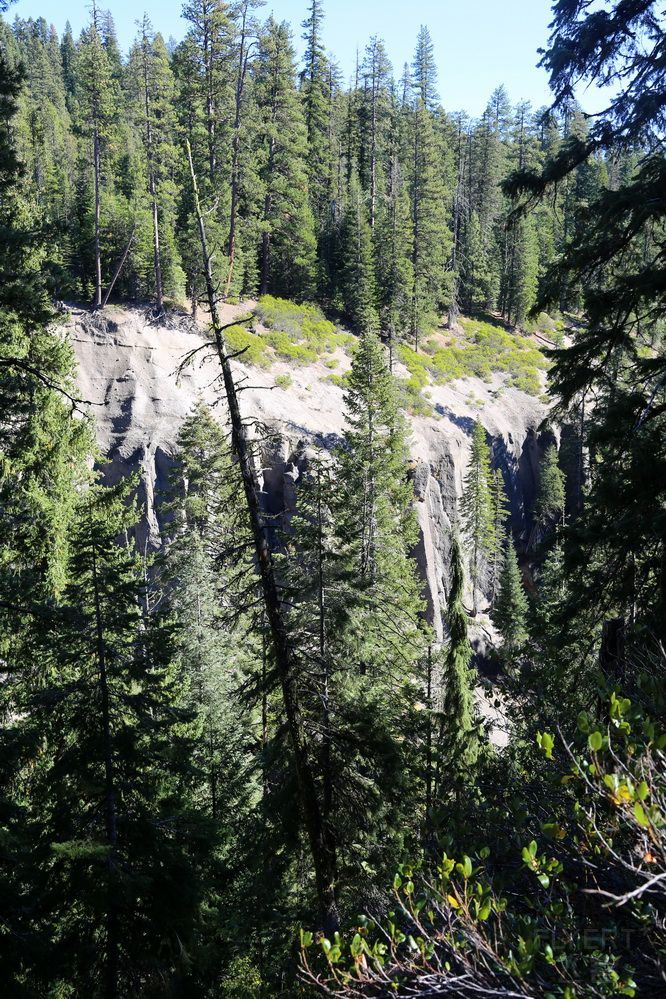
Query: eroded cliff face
point(128, 366)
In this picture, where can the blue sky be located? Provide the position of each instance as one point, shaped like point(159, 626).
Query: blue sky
point(478, 43)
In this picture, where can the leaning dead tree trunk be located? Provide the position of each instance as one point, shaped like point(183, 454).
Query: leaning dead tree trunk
point(319, 835)
point(119, 267)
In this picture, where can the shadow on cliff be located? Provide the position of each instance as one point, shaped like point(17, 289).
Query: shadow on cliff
point(464, 423)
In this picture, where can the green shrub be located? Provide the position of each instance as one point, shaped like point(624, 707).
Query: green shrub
point(413, 400)
point(299, 332)
point(342, 381)
point(239, 339)
point(482, 350)
point(289, 349)
point(416, 364)
point(242, 980)
point(283, 381)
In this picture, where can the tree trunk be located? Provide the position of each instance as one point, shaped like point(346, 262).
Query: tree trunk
point(121, 264)
point(152, 185)
point(323, 656)
point(321, 845)
point(428, 781)
point(415, 235)
point(266, 235)
point(98, 217)
point(611, 654)
point(111, 821)
point(265, 261)
point(210, 102)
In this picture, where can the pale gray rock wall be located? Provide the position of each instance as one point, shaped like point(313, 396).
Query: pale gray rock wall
point(129, 365)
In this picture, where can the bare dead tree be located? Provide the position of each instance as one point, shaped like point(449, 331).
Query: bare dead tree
point(320, 839)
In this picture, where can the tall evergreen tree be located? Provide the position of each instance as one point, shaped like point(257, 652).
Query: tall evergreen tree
point(520, 278)
point(42, 464)
point(119, 847)
point(68, 57)
point(488, 163)
point(288, 240)
point(549, 504)
point(377, 512)
point(424, 70)
point(618, 267)
point(377, 593)
point(206, 577)
point(375, 117)
point(153, 90)
point(357, 273)
point(316, 102)
point(210, 36)
point(457, 743)
point(510, 614)
point(99, 99)
point(394, 268)
point(499, 517)
point(477, 510)
point(431, 238)
point(246, 37)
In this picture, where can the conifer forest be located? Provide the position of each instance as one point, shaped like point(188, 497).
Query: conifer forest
point(332, 514)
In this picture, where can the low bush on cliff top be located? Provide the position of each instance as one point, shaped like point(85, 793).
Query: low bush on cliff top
point(482, 350)
point(300, 333)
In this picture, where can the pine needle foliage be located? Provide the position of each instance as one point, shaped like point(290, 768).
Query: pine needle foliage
point(510, 614)
point(477, 513)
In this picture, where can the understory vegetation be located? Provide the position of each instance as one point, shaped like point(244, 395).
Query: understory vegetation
point(482, 350)
point(297, 333)
point(251, 761)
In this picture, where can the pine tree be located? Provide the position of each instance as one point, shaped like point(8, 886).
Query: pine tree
point(45, 143)
point(378, 508)
point(460, 215)
point(357, 274)
point(42, 464)
point(549, 505)
point(477, 510)
point(107, 31)
point(521, 245)
point(613, 266)
point(499, 516)
point(313, 581)
point(375, 119)
point(376, 593)
point(424, 71)
point(392, 243)
point(121, 851)
point(204, 70)
point(457, 742)
point(246, 35)
point(317, 106)
point(207, 576)
point(153, 90)
point(487, 170)
point(510, 614)
point(288, 240)
point(210, 40)
point(68, 57)
point(99, 99)
point(431, 239)
point(479, 278)
point(520, 280)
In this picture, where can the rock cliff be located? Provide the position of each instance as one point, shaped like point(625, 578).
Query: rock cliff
point(128, 370)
